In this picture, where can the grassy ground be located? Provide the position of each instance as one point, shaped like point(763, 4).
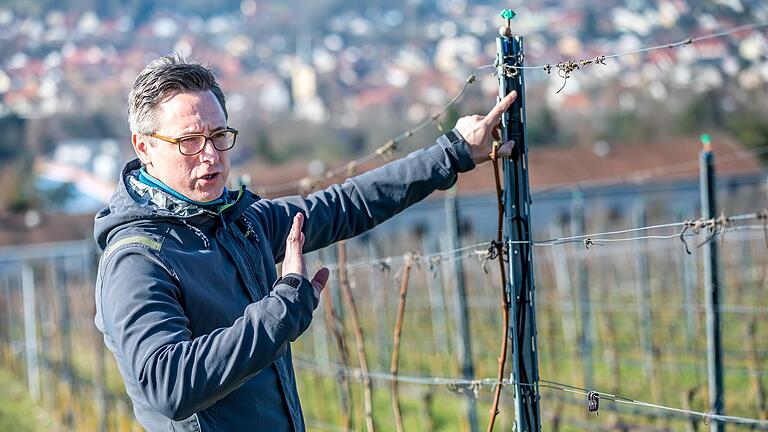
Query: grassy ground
point(17, 411)
point(672, 372)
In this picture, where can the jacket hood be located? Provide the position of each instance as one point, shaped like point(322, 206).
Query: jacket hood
point(134, 202)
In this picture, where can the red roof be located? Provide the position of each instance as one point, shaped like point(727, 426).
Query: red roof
point(666, 159)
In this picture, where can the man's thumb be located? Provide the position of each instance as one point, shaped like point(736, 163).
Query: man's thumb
point(320, 279)
point(506, 149)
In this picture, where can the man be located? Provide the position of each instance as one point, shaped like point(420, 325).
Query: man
point(187, 294)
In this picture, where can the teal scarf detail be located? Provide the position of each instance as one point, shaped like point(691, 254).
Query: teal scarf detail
point(214, 205)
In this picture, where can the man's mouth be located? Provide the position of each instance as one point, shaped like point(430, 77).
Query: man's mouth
point(209, 176)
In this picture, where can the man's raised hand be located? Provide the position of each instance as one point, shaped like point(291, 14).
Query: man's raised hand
point(478, 131)
point(294, 260)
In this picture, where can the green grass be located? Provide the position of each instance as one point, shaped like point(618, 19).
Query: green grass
point(18, 413)
point(679, 362)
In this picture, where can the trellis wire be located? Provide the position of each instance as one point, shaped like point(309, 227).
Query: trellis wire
point(476, 250)
point(474, 385)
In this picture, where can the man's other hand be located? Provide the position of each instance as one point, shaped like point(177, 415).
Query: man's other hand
point(294, 260)
point(479, 131)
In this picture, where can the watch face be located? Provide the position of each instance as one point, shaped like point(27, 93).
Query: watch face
point(291, 281)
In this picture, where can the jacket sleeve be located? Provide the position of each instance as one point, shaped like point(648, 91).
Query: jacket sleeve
point(360, 203)
point(139, 310)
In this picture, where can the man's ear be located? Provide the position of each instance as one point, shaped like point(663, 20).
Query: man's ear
point(141, 147)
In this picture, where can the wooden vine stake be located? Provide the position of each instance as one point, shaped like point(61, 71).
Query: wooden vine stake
point(499, 245)
point(360, 345)
point(396, 344)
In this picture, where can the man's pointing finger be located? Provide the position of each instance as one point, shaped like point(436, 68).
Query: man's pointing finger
point(296, 235)
point(495, 113)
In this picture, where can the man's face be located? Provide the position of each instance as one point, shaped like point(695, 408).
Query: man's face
point(201, 177)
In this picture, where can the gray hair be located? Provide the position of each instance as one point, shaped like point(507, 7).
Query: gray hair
point(164, 78)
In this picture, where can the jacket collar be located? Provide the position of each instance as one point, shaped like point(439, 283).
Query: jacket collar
point(161, 202)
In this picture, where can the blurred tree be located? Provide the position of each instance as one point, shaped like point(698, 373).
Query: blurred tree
point(703, 111)
point(12, 136)
point(542, 128)
point(22, 191)
point(751, 130)
point(56, 197)
point(262, 148)
point(90, 125)
point(590, 27)
point(450, 117)
point(357, 141)
point(621, 126)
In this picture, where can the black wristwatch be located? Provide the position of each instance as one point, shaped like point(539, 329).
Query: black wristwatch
point(291, 281)
point(453, 137)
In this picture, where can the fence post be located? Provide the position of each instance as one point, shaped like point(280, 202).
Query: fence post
point(61, 286)
point(5, 320)
point(517, 200)
point(436, 300)
point(381, 304)
point(30, 330)
point(578, 227)
point(712, 286)
point(563, 283)
point(643, 286)
point(45, 313)
point(11, 321)
point(461, 310)
point(690, 304)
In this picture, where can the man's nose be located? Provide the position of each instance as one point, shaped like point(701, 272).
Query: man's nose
point(209, 153)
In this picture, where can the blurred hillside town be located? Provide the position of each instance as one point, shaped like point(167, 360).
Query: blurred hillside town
point(355, 74)
point(313, 84)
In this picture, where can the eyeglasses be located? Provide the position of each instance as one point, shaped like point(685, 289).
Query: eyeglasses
point(190, 145)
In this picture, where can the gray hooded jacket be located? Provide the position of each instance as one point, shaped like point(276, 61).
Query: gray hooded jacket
point(190, 304)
